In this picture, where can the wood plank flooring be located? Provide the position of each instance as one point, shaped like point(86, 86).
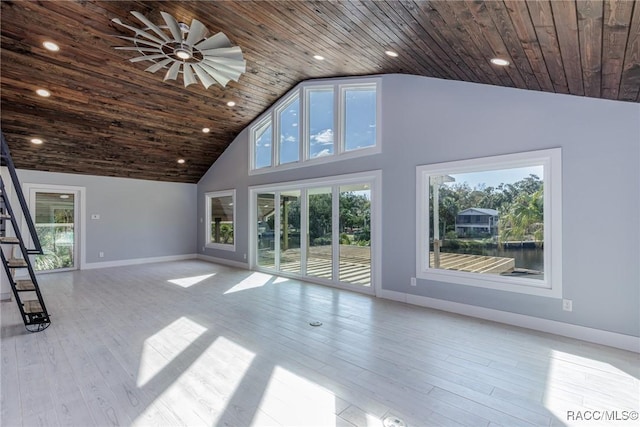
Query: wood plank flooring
point(199, 344)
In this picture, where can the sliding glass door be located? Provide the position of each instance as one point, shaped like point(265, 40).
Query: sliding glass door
point(290, 256)
point(319, 231)
point(355, 234)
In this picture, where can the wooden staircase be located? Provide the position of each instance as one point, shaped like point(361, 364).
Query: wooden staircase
point(14, 253)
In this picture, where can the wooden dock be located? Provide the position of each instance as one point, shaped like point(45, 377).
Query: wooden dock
point(355, 263)
point(474, 263)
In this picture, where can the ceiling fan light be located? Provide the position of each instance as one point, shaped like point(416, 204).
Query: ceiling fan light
point(183, 52)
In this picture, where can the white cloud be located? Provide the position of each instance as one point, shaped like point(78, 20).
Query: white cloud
point(325, 152)
point(323, 137)
point(290, 138)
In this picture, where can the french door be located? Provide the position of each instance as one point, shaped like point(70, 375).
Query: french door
point(322, 230)
point(56, 214)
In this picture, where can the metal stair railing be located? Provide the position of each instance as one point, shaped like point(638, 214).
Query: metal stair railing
point(33, 311)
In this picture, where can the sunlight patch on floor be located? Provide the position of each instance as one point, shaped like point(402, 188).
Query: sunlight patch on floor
point(255, 280)
point(203, 389)
point(164, 346)
point(568, 372)
point(293, 400)
point(280, 280)
point(187, 282)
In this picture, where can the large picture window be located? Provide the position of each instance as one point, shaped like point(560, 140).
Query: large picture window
point(492, 222)
point(220, 214)
point(317, 123)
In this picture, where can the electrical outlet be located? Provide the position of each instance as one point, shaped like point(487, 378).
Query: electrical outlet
point(567, 305)
point(203, 249)
point(413, 281)
point(101, 254)
point(245, 256)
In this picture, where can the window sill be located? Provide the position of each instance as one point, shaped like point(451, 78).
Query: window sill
point(500, 283)
point(221, 246)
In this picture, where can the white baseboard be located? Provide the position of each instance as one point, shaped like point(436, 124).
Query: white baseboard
point(228, 262)
point(598, 336)
point(5, 296)
point(135, 261)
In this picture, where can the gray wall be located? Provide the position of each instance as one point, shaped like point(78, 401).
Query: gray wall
point(427, 121)
point(138, 218)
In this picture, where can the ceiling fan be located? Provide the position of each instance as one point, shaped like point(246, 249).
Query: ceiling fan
point(183, 49)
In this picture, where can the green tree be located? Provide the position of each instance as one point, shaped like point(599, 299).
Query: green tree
point(523, 219)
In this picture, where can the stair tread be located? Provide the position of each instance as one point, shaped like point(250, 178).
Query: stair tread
point(32, 306)
point(9, 239)
point(16, 262)
point(25, 285)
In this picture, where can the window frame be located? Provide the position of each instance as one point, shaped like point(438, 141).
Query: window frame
point(342, 115)
point(551, 285)
point(277, 127)
point(306, 138)
point(263, 123)
point(207, 197)
point(373, 178)
point(272, 115)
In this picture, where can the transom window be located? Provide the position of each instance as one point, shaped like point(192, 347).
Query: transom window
point(492, 222)
point(317, 123)
point(221, 218)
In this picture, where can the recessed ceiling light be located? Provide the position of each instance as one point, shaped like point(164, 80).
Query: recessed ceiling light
point(499, 61)
point(36, 141)
point(318, 57)
point(43, 92)
point(64, 196)
point(231, 104)
point(181, 161)
point(391, 53)
point(53, 47)
point(206, 130)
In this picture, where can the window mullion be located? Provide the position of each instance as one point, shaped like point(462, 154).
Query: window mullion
point(335, 232)
point(338, 121)
point(304, 230)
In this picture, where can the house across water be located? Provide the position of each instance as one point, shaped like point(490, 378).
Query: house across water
point(477, 221)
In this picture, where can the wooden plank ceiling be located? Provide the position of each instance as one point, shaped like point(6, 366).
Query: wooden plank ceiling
point(107, 116)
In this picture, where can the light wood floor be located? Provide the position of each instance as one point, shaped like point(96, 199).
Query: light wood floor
point(194, 343)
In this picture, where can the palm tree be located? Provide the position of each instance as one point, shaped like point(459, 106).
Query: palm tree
point(523, 218)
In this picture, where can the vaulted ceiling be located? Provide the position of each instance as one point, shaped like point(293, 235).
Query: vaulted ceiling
point(107, 116)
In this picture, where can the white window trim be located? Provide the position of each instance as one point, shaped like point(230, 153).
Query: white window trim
point(263, 122)
point(302, 90)
point(277, 127)
point(551, 286)
point(81, 216)
point(373, 178)
point(207, 197)
point(341, 114)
